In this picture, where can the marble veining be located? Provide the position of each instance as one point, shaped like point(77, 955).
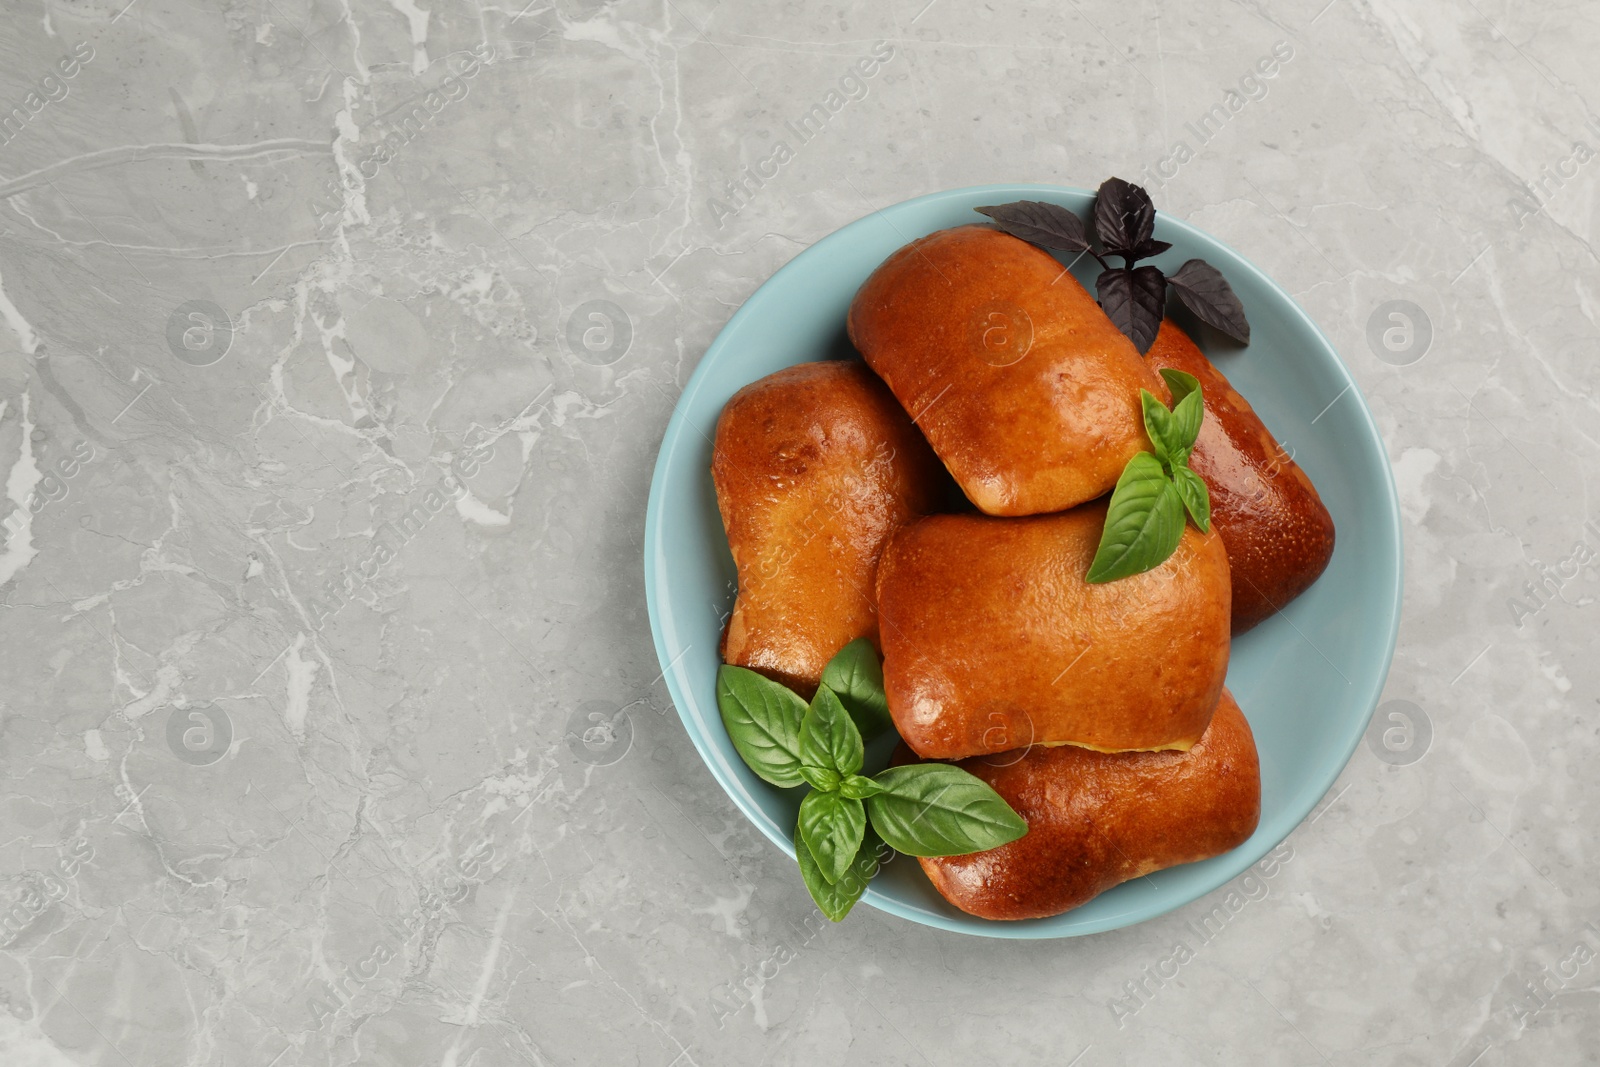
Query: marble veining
point(336, 341)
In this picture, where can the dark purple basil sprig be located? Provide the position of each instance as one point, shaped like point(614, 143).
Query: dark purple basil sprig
point(1133, 297)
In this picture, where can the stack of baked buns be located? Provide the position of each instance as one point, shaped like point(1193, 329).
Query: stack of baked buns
point(1097, 711)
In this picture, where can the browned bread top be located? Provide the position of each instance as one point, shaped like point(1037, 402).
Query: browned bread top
point(1023, 387)
point(1279, 534)
point(814, 466)
point(992, 639)
point(1097, 819)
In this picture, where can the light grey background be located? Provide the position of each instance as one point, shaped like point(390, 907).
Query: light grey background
point(286, 784)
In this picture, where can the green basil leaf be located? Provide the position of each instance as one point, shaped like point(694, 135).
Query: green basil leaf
point(828, 737)
point(1158, 426)
point(1143, 523)
point(856, 677)
point(859, 788)
point(1186, 419)
point(835, 899)
point(1196, 497)
point(831, 826)
point(934, 809)
point(1180, 383)
point(822, 778)
point(763, 721)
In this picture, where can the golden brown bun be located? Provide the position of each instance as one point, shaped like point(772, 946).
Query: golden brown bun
point(992, 640)
point(1097, 819)
point(1050, 430)
point(815, 466)
point(1279, 534)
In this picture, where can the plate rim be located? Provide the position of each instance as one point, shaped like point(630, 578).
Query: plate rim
point(971, 925)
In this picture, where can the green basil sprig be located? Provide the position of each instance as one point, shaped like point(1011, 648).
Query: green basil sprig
point(832, 827)
point(763, 719)
point(934, 809)
point(1145, 519)
point(856, 677)
point(836, 898)
point(828, 739)
point(930, 809)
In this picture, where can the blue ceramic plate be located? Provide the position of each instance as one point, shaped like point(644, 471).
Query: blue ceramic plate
point(1307, 679)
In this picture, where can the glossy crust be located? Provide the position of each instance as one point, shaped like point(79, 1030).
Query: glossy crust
point(992, 640)
point(1279, 534)
point(1097, 819)
point(1027, 392)
point(814, 466)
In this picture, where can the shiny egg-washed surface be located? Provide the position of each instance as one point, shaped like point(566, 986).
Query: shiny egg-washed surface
point(992, 639)
point(1279, 534)
point(1024, 388)
point(815, 466)
point(1097, 819)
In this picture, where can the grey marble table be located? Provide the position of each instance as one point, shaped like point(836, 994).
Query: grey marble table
point(336, 343)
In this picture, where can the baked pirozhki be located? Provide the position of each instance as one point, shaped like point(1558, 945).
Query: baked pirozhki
point(1097, 819)
point(814, 466)
point(993, 639)
point(1279, 534)
point(1023, 387)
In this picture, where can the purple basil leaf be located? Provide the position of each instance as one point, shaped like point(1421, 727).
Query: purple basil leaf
point(1149, 247)
point(1123, 215)
point(1134, 299)
point(1204, 291)
point(1046, 225)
